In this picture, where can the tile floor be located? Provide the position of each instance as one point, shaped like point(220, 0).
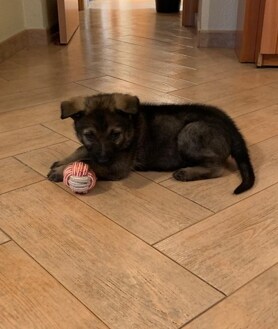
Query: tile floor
point(146, 252)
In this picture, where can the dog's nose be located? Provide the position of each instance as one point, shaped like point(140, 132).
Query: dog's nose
point(103, 159)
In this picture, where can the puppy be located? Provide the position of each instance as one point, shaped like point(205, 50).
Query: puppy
point(118, 135)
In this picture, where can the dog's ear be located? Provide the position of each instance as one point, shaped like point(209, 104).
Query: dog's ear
point(73, 108)
point(126, 103)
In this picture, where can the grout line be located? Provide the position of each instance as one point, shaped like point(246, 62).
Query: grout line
point(203, 312)
point(60, 283)
point(194, 274)
point(216, 213)
point(35, 149)
point(228, 296)
point(22, 187)
point(5, 242)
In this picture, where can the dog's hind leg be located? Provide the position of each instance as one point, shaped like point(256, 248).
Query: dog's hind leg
point(204, 150)
point(198, 172)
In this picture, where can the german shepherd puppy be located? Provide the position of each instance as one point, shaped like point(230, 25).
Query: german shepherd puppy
point(119, 135)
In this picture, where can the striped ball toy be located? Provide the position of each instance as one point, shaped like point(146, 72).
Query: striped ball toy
point(79, 178)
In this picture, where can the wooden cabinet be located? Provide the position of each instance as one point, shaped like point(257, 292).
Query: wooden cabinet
point(68, 19)
point(257, 32)
point(269, 42)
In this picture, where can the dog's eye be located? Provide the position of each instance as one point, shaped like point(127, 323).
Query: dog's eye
point(89, 135)
point(115, 135)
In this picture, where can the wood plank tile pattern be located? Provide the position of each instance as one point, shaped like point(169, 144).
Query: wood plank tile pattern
point(254, 306)
point(62, 127)
point(15, 175)
point(22, 140)
point(3, 237)
point(41, 159)
point(109, 84)
point(101, 248)
point(29, 295)
point(16, 100)
point(233, 246)
point(153, 212)
point(30, 116)
point(120, 278)
point(247, 101)
point(259, 125)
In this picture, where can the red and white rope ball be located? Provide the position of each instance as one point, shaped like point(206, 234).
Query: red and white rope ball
point(79, 178)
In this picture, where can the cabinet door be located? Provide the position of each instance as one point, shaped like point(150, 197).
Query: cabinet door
point(68, 19)
point(269, 44)
point(248, 25)
point(268, 51)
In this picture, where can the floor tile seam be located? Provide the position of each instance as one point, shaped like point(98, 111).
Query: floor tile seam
point(217, 79)
point(165, 43)
point(228, 296)
point(57, 280)
point(5, 242)
point(22, 187)
point(149, 70)
point(214, 213)
point(191, 272)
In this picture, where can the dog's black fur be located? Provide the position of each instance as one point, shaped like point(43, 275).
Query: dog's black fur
point(120, 135)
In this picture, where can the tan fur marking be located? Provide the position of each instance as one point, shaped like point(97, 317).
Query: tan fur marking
point(126, 103)
point(78, 103)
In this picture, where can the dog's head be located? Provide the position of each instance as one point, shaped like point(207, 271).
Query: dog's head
point(104, 123)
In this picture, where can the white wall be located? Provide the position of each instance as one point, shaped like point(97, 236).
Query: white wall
point(33, 15)
point(18, 15)
point(40, 14)
point(218, 15)
point(11, 18)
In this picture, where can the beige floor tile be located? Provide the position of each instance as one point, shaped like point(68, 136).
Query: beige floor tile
point(63, 127)
point(224, 87)
point(247, 101)
point(232, 247)
point(25, 139)
point(210, 69)
point(15, 175)
point(41, 160)
point(18, 100)
point(149, 42)
point(117, 276)
point(156, 176)
point(217, 194)
point(155, 54)
point(259, 125)
point(148, 79)
point(56, 78)
point(254, 306)
point(29, 116)
point(109, 84)
point(31, 298)
point(208, 91)
point(3, 237)
point(153, 212)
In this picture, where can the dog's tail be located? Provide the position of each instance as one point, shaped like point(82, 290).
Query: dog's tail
point(239, 152)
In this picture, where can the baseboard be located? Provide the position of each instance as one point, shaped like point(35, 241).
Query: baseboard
point(12, 45)
point(216, 39)
point(24, 39)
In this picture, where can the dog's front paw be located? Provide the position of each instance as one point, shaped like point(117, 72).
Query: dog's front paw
point(56, 164)
point(55, 174)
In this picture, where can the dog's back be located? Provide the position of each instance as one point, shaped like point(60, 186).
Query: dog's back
point(193, 139)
